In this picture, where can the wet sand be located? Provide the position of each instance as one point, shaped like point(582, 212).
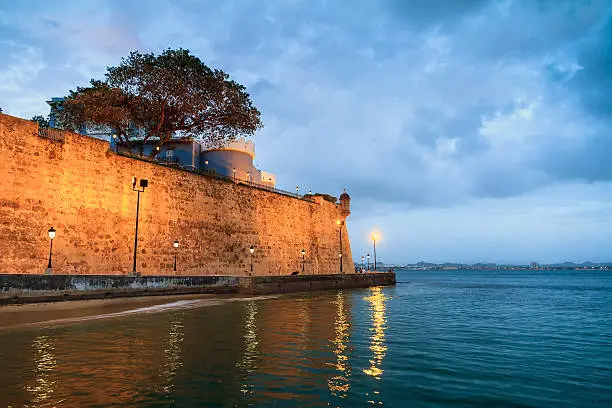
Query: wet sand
point(51, 313)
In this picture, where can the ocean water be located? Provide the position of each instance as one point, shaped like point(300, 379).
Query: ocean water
point(437, 339)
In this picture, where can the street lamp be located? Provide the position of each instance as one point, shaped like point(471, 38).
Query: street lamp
point(176, 245)
point(297, 191)
point(340, 224)
point(368, 255)
point(115, 142)
point(374, 238)
point(303, 260)
point(252, 249)
point(234, 170)
point(51, 236)
point(144, 183)
point(362, 259)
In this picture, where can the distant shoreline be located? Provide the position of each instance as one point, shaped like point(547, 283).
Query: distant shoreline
point(502, 268)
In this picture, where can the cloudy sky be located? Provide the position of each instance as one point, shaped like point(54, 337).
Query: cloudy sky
point(472, 130)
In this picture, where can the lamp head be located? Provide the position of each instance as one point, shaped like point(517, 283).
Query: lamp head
point(133, 182)
point(252, 249)
point(176, 244)
point(51, 232)
point(340, 255)
point(144, 183)
point(303, 252)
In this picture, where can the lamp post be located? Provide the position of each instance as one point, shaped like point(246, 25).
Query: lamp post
point(368, 255)
point(115, 142)
point(49, 269)
point(362, 259)
point(340, 224)
point(176, 245)
point(144, 183)
point(303, 259)
point(297, 191)
point(252, 249)
point(374, 237)
point(234, 170)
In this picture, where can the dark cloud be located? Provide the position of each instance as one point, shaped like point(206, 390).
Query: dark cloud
point(593, 81)
point(419, 14)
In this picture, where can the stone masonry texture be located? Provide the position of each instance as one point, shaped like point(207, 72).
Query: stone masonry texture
point(84, 191)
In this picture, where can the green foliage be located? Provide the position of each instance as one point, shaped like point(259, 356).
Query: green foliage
point(327, 197)
point(41, 120)
point(157, 97)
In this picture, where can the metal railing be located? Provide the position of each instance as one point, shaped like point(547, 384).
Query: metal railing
point(169, 160)
point(51, 134)
point(209, 173)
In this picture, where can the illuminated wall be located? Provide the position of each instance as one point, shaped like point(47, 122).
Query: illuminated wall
point(84, 191)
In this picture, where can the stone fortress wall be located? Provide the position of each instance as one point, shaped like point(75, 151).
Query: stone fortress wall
point(84, 191)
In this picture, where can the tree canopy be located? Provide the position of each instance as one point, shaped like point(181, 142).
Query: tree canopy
point(41, 120)
point(156, 98)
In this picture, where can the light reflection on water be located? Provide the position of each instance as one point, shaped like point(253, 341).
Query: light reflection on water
point(339, 383)
point(379, 324)
point(45, 363)
point(249, 359)
point(172, 354)
point(377, 301)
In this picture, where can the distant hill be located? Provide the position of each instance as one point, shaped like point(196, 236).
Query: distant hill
point(422, 265)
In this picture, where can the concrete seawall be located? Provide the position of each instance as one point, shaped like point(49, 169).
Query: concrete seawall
point(26, 288)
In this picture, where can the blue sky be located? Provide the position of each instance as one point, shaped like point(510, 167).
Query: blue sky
point(471, 130)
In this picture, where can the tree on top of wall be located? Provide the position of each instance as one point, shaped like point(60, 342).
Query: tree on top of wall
point(155, 98)
point(41, 120)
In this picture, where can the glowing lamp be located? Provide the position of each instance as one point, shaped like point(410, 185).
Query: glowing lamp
point(51, 233)
point(252, 249)
point(176, 244)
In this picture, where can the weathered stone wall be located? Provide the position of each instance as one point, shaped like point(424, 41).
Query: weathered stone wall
point(84, 191)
